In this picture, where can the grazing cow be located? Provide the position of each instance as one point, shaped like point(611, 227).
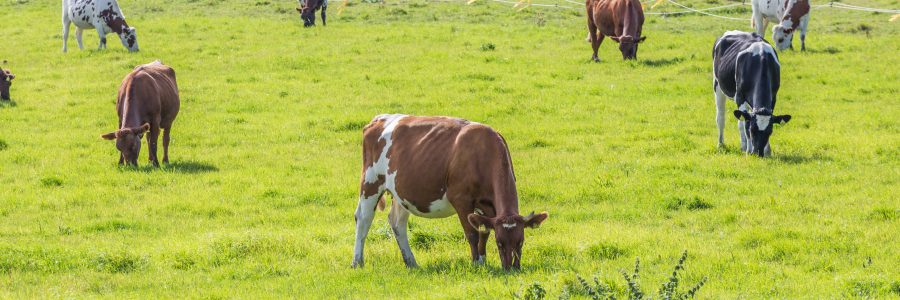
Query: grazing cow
point(787, 14)
point(308, 10)
point(436, 167)
point(621, 20)
point(746, 69)
point(148, 101)
point(103, 15)
point(6, 78)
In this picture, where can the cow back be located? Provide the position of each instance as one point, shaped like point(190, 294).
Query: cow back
point(725, 55)
point(149, 93)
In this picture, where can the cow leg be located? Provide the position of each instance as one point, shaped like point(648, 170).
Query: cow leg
point(398, 218)
point(767, 152)
point(78, 33)
point(152, 138)
point(166, 145)
point(65, 32)
point(121, 158)
point(472, 235)
point(745, 142)
point(596, 40)
point(365, 213)
point(102, 35)
point(482, 247)
point(324, 7)
point(720, 112)
point(761, 23)
point(803, 23)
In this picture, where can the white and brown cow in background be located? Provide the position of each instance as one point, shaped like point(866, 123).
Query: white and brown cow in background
point(103, 15)
point(788, 15)
point(436, 167)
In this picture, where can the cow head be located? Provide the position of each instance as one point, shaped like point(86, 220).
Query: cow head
point(782, 36)
point(307, 14)
point(510, 233)
point(628, 44)
point(129, 39)
point(5, 82)
point(758, 127)
point(128, 141)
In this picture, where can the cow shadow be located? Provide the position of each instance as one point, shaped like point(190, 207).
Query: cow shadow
point(662, 62)
point(787, 158)
point(7, 103)
point(185, 167)
point(796, 159)
point(449, 266)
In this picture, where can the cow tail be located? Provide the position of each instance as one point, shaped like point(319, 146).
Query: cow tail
point(380, 203)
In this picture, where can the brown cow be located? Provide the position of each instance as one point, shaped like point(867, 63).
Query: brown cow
point(308, 10)
point(436, 167)
point(148, 100)
point(6, 78)
point(621, 20)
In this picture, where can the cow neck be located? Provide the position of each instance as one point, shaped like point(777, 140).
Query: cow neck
point(131, 117)
point(506, 198)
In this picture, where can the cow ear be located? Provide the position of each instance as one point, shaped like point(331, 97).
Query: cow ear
point(534, 220)
point(642, 39)
point(741, 115)
point(140, 130)
point(783, 119)
point(109, 136)
point(480, 222)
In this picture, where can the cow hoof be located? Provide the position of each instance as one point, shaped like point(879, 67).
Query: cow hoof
point(356, 264)
point(595, 59)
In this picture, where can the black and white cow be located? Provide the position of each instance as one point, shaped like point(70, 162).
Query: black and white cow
point(103, 15)
point(746, 69)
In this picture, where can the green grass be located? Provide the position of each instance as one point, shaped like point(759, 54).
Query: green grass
point(260, 197)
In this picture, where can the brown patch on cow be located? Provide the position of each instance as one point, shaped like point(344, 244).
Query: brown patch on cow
point(794, 12)
point(423, 141)
point(114, 21)
point(371, 189)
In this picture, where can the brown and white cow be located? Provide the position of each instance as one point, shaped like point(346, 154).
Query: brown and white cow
point(620, 20)
point(148, 101)
point(436, 167)
point(788, 16)
point(103, 15)
point(6, 78)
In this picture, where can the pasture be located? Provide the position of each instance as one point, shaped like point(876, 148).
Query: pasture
point(260, 195)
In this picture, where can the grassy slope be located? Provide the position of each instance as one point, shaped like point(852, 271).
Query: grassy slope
point(260, 198)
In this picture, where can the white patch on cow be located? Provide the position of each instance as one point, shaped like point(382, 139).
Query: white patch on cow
point(380, 166)
point(439, 208)
point(509, 226)
point(760, 49)
point(744, 107)
point(762, 122)
point(787, 23)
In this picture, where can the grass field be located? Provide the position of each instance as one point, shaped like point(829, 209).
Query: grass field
point(260, 197)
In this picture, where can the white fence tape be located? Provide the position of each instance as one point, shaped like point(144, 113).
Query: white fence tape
point(687, 10)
